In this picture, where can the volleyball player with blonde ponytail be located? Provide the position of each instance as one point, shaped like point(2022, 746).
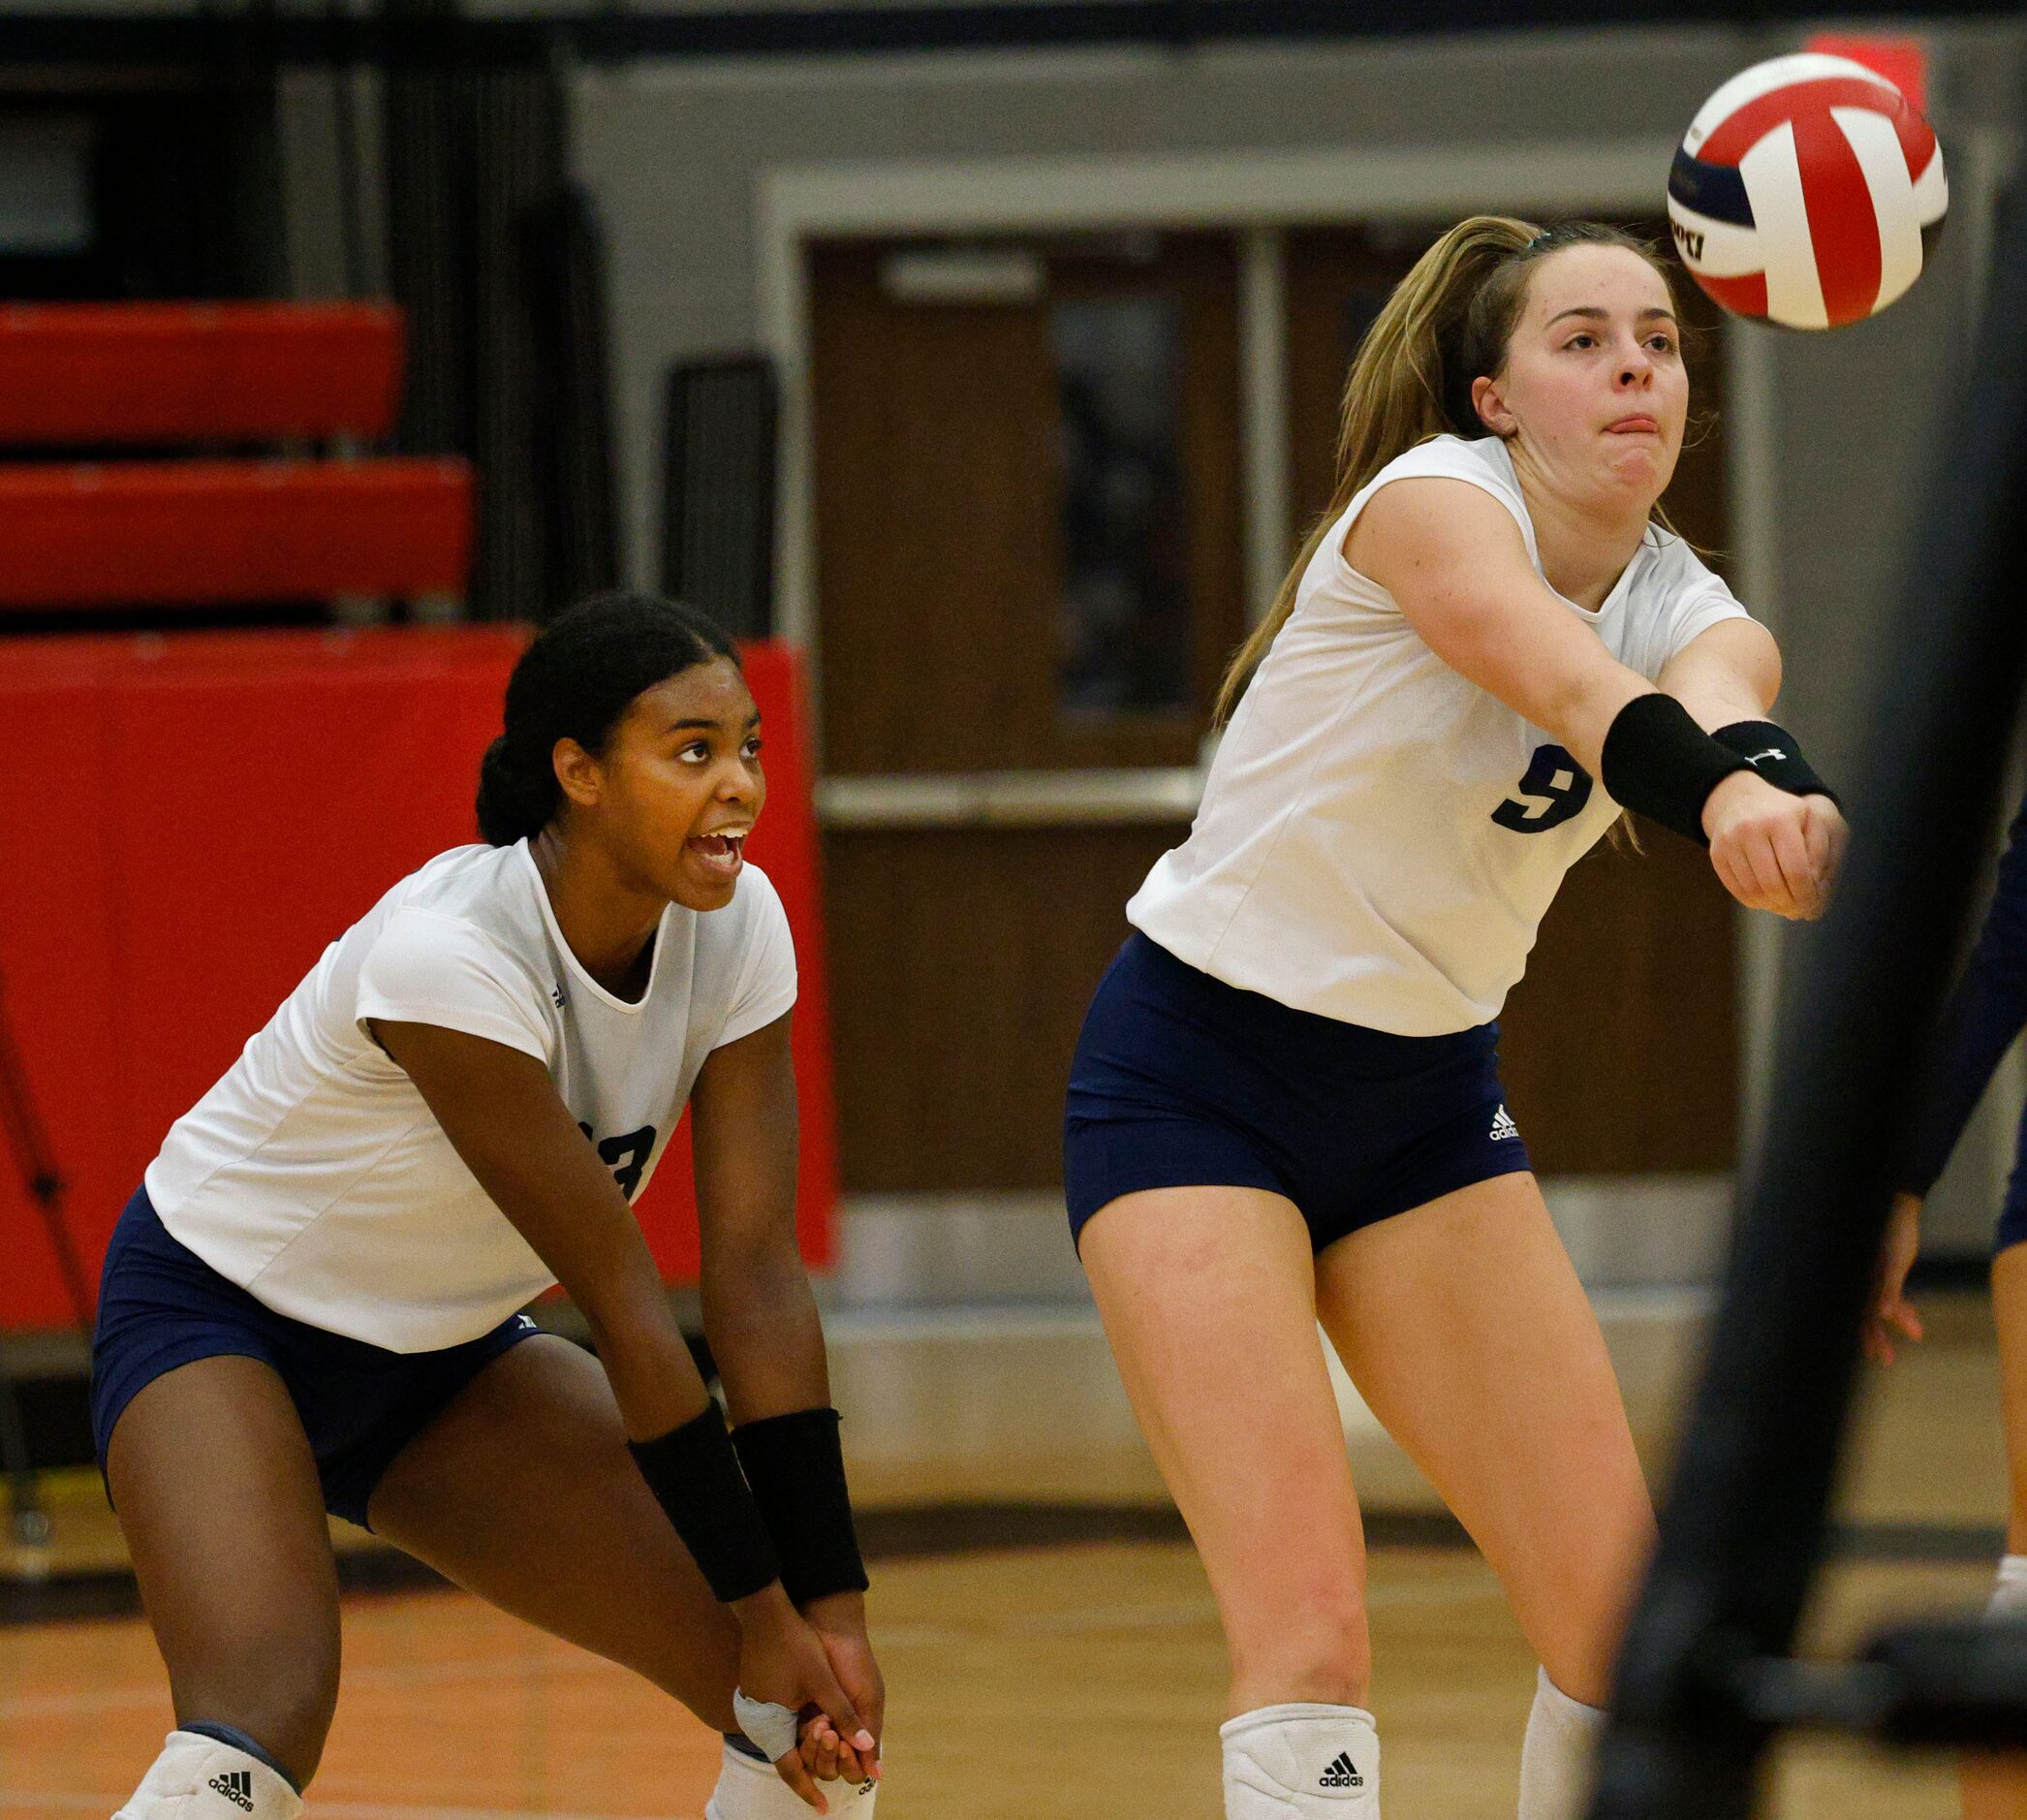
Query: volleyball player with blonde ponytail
point(1285, 1105)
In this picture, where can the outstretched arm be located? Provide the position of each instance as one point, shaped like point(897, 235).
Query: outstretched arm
point(1453, 558)
point(767, 1339)
point(1725, 674)
point(1984, 1014)
point(1979, 1021)
point(502, 1113)
point(758, 1313)
point(1728, 676)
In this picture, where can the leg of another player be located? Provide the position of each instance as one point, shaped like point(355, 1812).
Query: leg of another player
point(522, 1492)
point(1209, 1300)
point(220, 1506)
point(1467, 1332)
point(1995, 1788)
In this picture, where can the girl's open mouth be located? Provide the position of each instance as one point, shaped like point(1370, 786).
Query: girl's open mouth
point(723, 851)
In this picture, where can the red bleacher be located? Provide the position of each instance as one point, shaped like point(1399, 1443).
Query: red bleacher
point(210, 531)
point(197, 532)
point(138, 373)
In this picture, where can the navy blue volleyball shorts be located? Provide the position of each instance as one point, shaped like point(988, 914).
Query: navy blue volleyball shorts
point(161, 1306)
point(1181, 1081)
point(2013, 1215)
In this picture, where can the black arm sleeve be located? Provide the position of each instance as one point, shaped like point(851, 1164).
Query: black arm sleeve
point(1777, 756)
point(1659, 763)
point(1983, 1015)
point(796, 1465)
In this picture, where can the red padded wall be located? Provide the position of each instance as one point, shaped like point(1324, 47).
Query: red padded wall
point(189, 821)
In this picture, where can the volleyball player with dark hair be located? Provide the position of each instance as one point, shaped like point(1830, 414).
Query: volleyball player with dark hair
point(312, 1303)
point(1286, 1106)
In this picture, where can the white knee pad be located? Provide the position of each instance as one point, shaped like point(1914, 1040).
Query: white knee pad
point(1302, 1762)
point(1555, 1761)
point(749, 1789)
point(198, 1778)
point(2010, 1595)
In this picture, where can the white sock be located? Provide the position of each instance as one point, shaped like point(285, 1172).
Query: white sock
point(749, 1789)
point(1298, 1761)
point(1555, 1761)
point(198, 1778)
point(2010, 1595)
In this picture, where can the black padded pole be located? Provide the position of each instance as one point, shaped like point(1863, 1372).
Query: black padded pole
point(1744, 1525)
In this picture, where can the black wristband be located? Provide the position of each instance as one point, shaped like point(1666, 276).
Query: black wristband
point(797, 1468)
point(1773, 753)
point(1659, 761)
point(695, 1479)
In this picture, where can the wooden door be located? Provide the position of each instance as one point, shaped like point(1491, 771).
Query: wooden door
point(1620, 1047)
point(1020, 577)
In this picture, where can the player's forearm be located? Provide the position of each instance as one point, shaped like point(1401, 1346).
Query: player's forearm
point(1978, 1026)
point(1729, 673)
point(766, 1337)
point(1580, 711)
point(1718, 700)
point(587, 1233)
point(607, 1270)
point(654, 1379)
point(1979, 1022)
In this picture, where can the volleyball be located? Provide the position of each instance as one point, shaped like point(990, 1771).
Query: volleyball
point(1807, 190)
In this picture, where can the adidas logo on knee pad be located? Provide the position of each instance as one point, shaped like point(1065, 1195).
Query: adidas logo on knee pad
point(236, 1786)
point(1342, 1774)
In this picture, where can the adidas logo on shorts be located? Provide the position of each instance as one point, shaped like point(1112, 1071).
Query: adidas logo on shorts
point(1344, 1773)
point(1503, 1126)
point(236, 1786)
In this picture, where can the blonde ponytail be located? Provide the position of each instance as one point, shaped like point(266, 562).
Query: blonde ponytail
point(1447, 324)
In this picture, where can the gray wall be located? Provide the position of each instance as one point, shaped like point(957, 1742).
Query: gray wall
point(673, 150)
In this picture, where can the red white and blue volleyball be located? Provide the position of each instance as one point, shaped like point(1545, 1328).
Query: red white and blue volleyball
point(1807, 192)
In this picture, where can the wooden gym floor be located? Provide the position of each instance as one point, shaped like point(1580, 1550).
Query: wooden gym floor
point(1077, 1679)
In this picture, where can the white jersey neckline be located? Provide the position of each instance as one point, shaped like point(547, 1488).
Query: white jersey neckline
point(1615, 596)
point(631, 1007)
point(313, 1174)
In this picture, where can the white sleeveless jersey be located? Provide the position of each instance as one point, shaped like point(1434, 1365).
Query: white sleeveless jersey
point(1379, 838)
point(315, 1176)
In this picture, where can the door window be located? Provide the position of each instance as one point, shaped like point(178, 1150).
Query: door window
point(1125, 625)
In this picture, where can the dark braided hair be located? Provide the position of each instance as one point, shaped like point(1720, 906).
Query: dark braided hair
point(575, 682)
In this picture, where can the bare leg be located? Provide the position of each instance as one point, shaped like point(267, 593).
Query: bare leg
point(522, 1492)
point(220, 1506)
point(1208, 1301)
point(1995, 1788)
point(1465, 1328)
